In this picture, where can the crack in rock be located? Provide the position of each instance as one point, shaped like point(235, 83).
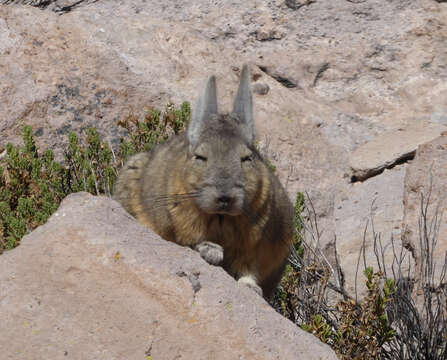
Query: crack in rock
point(282, 79)
point(405, 158)
point(390, 149)
point(193, 279)
point(58, 6)
point(296, 4)
point(320, 72)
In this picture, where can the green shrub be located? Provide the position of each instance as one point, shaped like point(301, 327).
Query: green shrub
point(32, 184)
point(363, 328)
point(31, 188)
point(155, 128)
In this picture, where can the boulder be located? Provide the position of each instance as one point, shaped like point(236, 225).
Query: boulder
point(425, 201)
point(375, 206)
point(92, 283)
point(390, 149)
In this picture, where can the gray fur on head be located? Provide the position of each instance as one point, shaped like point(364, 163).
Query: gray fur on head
point(207, 106)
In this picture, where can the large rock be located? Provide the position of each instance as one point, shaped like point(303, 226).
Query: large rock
point(92, 283)
point(390, 148)
point(426, 186)
point(339, 73)
point(375, 206)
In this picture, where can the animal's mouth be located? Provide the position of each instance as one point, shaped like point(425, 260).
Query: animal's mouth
point(224, 210)
point(227, 210)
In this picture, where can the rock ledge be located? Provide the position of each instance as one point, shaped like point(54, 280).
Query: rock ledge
point(94, 284)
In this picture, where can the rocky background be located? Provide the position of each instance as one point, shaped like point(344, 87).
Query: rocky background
point(350, 95)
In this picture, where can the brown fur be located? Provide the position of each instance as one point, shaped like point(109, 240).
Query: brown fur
point(156, 188)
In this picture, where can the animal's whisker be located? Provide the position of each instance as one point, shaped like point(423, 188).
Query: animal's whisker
point(169, 199)
point(162, 203)
point(173, 197)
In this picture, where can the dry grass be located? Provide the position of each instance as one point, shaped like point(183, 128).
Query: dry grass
point(403, 315)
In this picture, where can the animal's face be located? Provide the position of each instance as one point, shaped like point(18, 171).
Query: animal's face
point(222, 169)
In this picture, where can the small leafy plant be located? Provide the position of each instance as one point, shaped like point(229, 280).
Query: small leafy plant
point(31, 188)
point(155, 128)
point(363, 328)
point(32, 184)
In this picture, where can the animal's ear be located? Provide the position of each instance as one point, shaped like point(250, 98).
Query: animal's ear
point(243, 106)
point(206, 106)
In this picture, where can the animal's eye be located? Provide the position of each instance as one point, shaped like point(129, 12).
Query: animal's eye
point(200, 158)
point(246, 158)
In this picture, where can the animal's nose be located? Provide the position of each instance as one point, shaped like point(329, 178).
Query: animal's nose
point(225, 201)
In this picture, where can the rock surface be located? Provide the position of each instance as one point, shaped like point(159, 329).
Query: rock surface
point(335, 76)
point(426, 180)
point(92, 283)
point(375, 206)
point(390, 148)
point(59, 6)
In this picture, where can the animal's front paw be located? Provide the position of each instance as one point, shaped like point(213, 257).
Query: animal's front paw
point(251, 283)
point(211, 252)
